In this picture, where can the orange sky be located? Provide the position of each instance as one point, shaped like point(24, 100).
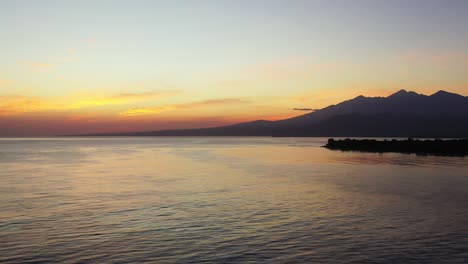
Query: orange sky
point(90, 67)
point(31, 116)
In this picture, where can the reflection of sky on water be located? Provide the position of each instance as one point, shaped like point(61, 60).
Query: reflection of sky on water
point(225, 199)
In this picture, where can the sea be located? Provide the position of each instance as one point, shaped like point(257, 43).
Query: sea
point(226, 200)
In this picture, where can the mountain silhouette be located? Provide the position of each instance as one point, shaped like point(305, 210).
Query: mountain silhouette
point(402, 114)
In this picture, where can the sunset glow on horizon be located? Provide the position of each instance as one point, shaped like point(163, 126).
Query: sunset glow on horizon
point(76, 67)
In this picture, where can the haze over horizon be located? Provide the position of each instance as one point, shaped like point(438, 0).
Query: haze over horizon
point(73, 67)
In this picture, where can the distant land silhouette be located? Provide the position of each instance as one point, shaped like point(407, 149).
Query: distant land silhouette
point(436, 147)
point(402, 114)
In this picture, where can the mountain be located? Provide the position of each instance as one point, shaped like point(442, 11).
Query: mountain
point(402, 114)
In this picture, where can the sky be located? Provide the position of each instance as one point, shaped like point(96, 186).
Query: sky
point(73, 67)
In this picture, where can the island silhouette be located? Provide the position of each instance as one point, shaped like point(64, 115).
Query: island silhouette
point(402, 114)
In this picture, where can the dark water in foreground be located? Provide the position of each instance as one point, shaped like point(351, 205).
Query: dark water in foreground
point(227, 200)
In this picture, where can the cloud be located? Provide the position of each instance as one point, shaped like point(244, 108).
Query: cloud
point(145, 95)
point(213, 102)
point(305, 109)
point(40, 66)
point(17, 104)
point(231, 83)
point(70, 56)
point(90, 40)
point(4, 81)
point(122, 98)
point(197, 104)
point(147, 110)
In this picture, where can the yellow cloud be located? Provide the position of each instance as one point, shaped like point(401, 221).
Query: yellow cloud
point(147, 110)
point(122, 98)
point(5, 82)
point(213, 102)
point(145, 95)
point(40, 66)
point(16, 104)
point(198, 104)
point(95, 102)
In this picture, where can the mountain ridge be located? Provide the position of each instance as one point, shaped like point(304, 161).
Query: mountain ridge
point(403, 113)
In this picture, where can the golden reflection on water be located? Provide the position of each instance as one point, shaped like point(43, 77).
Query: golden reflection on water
point(298, 155)
point(167, 200)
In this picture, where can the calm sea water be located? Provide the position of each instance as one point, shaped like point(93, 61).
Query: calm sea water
point(227, 200)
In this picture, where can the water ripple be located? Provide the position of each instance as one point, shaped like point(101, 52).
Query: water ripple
point(226, 200)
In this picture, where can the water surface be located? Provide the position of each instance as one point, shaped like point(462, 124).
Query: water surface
point(227, 200)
